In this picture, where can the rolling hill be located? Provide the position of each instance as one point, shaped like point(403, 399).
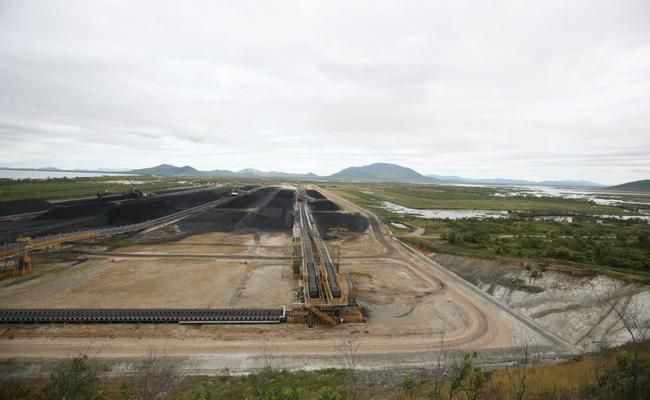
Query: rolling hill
point(382, 172)
point(167, 169)
point(636, 186)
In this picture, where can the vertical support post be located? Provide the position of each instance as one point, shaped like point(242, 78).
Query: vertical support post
point(338, 257)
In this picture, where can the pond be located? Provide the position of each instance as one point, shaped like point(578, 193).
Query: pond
point(442, 214)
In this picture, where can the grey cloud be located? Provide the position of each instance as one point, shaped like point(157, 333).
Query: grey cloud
point(539, 90)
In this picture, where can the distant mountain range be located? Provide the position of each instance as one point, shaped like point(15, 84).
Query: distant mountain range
point(167, 169)
point(378, 172)
point(505, 181)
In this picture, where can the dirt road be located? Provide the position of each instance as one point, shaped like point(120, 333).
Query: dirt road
point(414, 306)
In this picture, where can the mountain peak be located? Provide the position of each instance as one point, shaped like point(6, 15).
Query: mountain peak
point(382, 172)
point(167, 169)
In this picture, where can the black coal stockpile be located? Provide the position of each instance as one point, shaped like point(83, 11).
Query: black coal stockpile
point(79, 211)
point(250, 200)
point(277, 214)
point(328, 220)
point(189, 200)
point(23, 206)
point(324, 205)
point(140, 211)
point(283, 199)
point(315, 194)
point(215, 220)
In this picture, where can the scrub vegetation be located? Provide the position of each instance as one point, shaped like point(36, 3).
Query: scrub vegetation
point(470, 198)
point(602, 244)
point(620, 373)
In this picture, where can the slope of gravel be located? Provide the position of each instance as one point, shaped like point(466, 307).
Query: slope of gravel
point(569, 305)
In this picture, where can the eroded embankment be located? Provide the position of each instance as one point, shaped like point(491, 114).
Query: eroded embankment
point(573, 306)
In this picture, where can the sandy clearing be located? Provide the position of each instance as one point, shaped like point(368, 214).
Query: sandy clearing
point(410, 302)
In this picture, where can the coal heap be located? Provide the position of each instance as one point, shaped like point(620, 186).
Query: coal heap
point(277, 214)
point(315, 194)
point(139, 211)
point(250, 200)
point(328, 220)
point(80, 211)
point(23, 206)
point(324, 205)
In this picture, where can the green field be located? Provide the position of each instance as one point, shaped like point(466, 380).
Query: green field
point(604, 245)
point(470, 198)
point(65, 188)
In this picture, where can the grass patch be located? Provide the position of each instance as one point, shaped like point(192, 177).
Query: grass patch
point(65, 188)
point(469, 198)
point(519, 284)
point(616, 247)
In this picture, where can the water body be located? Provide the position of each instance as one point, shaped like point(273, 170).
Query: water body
point(482, 214)
point(556, 218)
point(25, 174)
point(597, 197)
point(443, 214)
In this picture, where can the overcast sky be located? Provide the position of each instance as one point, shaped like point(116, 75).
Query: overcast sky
point(520, 89)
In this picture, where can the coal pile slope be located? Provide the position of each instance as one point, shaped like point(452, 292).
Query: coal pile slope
point(252, 200)
point(189, 200)
point(79, 211)
point(324, 205)
point(315, 194)
point(69, 216)
point(139, 211)
point(23, 206)
point(215, 220)
point(242, 214)
point(329, 220)
point(277, 215)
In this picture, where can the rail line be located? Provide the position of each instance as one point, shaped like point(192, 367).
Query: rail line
point(148, 315)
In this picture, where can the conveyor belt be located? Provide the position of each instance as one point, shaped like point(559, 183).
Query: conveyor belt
point(310, 261)
point(322, 250)
point(146, 315)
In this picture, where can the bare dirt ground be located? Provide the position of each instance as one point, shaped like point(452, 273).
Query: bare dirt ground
point(412, 303)
point(177, 282)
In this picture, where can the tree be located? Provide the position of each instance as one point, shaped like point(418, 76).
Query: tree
point(468, 379)
point(348, 347)
point(327, 393)
point(155, 377)
point(76, 379)
point(637, 324)
point(270, 364)
point(518, 373)
point(438, 373)
point(408, 387)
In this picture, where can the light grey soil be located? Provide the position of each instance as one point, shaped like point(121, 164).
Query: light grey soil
point(570, 306)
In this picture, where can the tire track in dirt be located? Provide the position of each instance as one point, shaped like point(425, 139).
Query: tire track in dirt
point(479, 321)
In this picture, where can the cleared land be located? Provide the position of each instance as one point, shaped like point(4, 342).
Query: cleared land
point(238, 256)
